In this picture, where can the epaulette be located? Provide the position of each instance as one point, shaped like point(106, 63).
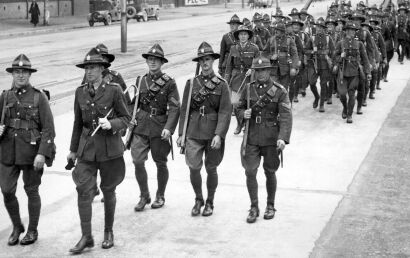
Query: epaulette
point(253, 44)
point(280, 86)
point(215, 79)
point(82, 85)
point(165, 77)
point(114, 84)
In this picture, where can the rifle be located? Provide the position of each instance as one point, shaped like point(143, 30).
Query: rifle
point(188, 106)
point(248, 106)
point(133, 123)
point(109, 112)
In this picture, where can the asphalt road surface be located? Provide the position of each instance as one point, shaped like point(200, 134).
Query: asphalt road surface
point(320, 164)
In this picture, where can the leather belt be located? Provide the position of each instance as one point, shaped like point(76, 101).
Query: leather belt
point(260, 119)
point(203, 110)
point(153, 111)
point(22, 124)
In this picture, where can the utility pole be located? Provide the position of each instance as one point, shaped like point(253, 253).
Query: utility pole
point(44, 13)
point(123, 26)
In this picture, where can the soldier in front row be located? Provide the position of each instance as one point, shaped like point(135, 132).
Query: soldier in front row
point(155, 119)
point(270, 125)
point(100, 114)
point(209, 116)
point(26, 143)
point(350, 53)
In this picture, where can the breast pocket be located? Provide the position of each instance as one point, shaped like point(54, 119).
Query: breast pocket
point(103, 110)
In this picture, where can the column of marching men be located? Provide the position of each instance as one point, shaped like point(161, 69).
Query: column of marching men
point(265, 64)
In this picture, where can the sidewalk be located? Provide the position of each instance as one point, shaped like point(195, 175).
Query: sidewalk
point(373, 219)
point(23, 27)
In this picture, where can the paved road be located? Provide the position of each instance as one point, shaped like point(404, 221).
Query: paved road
point(321, 162)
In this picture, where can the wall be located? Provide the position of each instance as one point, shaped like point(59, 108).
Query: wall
point(81, 7)
point(19, 8)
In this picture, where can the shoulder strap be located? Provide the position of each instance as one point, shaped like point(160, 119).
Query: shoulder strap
point(36, 98)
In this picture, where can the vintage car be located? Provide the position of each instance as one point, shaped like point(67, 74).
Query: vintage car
point(105, 11)
point(141, 11)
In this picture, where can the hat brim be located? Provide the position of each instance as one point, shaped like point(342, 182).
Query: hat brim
point(235, 22)
point(297, 22)
point(236, 33)
point(146, 55)
point(214, 55)
point(11, 69)
point(110, 57)
point(83, 65)
point(350, 28)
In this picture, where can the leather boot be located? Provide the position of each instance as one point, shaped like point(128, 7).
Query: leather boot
point(158, 203)
point(344, 113)
point(378, 86)
point(269, 212)
point(349, 120)
point(196, 210)
point(371, 95)
point(313, 88)
point(364, 103)
point(144, 200)
point(85, 241)
point(295, 99)
point(14, 237)
point(253, 214)
point(322, 108)
point(108, 240)
point(29, 238)
point(208, 210)
point(359, 110)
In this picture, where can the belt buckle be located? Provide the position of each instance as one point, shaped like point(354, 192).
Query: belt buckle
point(202, 110)
point(17, 123)
point(153, 112)
point(258, 119)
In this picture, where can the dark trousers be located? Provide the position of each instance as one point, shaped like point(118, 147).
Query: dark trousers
point(389, 55)
point(401, 49)
point(301, 81)
point(251, 162)
point(160, 149)
point(195, 150)
point(112, 173)
point(9, 175)
point(371, 86)
point(348, 88)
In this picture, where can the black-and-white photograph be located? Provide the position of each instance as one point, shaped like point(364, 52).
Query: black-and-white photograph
point(205, 128)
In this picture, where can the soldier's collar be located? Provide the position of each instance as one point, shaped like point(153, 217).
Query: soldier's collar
point(155, 76)
point(22, 89)
point(208, 77)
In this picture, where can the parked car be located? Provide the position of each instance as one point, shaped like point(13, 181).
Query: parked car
point(141, 11)
point(105, 11)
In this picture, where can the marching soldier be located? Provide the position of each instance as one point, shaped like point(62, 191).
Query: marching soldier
point(364, 36)
point(100, 113)
point(227, 41)
point(403, 29)
point(259, 30)
point(255, 39)
point(108, 77)
point(331, 31)
point(270, 125)
point(267, 22)
point(238, 66)
point(209, 114)
point(388, 32)
point(319, 52)
point(299, 46)
point(381, 48)
point(155, 120)
point(282, 52)
point(349, 55)
point(26, 143)
point(366, 27)
point(301, 39)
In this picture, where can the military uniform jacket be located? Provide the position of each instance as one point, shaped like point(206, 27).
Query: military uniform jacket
point(388, 32)
point(298, 44)
point(370, 46)
point(238, 62)
point(257, 41)
point(381, 46)
point(158, 105)
point(210, 110)
point(105, 144)
point(226, 43)
point(320, 48)
point(355, 56)
point(29, 127)
point(403, 25)
point(285, 48)
point(263, 34)
point(271, 117)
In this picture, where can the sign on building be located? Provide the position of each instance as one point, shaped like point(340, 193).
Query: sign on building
point(196, 2)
